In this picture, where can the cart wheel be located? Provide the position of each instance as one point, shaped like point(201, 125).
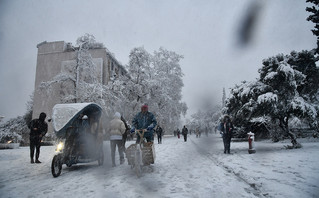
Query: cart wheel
point(56, 166)
point(137, 163)
point(101, 158)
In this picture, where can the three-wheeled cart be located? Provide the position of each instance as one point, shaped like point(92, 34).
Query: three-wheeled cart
point(76, 126)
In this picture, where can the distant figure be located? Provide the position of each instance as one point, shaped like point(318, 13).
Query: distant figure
point(206, 131)
point(117, 129)
point(197, 131)
point(38, 129)
point(185, 132)
point(226, 128)
point(159, 132)
point(178, 133)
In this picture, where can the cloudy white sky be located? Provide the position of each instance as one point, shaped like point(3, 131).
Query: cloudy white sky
point(205, 32)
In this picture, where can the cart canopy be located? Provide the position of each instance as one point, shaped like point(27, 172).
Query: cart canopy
point(64, 115)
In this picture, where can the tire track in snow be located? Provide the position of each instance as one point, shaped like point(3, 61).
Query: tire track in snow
point(252, 187)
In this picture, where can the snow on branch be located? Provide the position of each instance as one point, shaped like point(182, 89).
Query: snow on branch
point(267, 98)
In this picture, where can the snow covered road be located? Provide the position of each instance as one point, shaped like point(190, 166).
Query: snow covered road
point(196, 168)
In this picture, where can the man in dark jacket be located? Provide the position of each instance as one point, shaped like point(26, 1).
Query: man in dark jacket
point(159, 132)
point(226, 128)
point(185, 132)
point(144, 120)
point(38, 129)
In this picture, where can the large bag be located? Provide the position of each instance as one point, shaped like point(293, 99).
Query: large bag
point(148, 153)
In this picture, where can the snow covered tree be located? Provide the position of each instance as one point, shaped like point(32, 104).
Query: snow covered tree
point(305, 62)
point(140, 71)
point(166, 88)
point(152, 79)
point(284, 80)
point(282, 92)
point(155, 80)
point(314, 17)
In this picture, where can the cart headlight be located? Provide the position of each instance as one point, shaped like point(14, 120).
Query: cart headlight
point(59, 147)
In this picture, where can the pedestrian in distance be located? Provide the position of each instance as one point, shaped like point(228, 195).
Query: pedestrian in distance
point(197, 131)
point(116, 130)
point(144, 120)
point(159, 132)
point(226, 128)
point(38, 129)
point(185, 132)
point(178, 133)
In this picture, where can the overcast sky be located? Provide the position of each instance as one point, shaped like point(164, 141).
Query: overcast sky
point(205, 32)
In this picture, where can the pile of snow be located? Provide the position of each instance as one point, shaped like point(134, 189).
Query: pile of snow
point(196, 168)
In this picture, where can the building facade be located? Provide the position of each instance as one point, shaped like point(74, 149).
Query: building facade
point(58, 57)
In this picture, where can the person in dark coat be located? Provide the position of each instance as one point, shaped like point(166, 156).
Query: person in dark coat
point(144, 120)
point(127, 129)
point(38, 129)
point(185, 132)
point(159, 132)
point(226, 128)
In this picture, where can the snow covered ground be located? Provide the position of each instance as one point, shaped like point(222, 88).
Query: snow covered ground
point(196, 168)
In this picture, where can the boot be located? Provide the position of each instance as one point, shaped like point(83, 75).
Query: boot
point(32, 161)
point(37, 161)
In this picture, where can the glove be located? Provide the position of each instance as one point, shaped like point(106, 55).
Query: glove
point(149, 128)
point(132, 130)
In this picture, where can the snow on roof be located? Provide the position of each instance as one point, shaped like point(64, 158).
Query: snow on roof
point(63, 113)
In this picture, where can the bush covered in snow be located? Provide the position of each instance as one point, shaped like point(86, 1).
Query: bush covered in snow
point(13, 130)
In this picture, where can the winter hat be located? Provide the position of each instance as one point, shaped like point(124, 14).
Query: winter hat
point(85, 117)
point(117, 115)
point(42, 116)
point(144, 107)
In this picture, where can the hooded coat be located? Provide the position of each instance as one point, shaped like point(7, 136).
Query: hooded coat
point(38, 128)
point(117, 128)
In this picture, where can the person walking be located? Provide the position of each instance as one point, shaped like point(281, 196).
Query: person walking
point(226, 128)
point(117, 129)
point(178, 133)
point(159, 132)
point(38, 129)
point(185, 132)
point(197, 132)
